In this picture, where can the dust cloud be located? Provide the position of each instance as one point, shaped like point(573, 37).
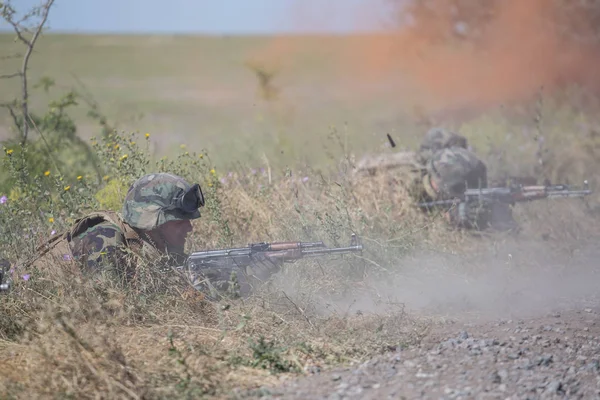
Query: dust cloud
point(514, 281)
point(522, 47)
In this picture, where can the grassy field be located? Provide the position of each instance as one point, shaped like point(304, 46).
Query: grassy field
point(199, 91)
point(63, 336)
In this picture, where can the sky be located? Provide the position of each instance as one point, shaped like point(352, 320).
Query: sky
point(213, 16)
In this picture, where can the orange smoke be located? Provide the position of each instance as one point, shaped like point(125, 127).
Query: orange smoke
point(519, 51)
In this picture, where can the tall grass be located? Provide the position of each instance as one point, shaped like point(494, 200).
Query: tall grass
point(66, 336)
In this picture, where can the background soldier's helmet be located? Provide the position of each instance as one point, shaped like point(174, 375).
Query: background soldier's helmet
point(157, 198)
point(455, 169)
point(439, 138)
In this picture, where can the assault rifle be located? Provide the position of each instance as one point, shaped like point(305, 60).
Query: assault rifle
point(512, 194)
point(278, 251)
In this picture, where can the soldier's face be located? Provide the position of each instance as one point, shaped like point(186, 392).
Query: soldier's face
point(175, 233)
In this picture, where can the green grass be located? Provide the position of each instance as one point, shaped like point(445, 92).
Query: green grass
point(198, 91)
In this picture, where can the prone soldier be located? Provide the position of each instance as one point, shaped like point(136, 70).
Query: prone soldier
point(443, 168)
point(153, 225)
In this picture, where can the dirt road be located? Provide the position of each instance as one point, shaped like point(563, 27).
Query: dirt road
point(552, 351)
point(552, 357)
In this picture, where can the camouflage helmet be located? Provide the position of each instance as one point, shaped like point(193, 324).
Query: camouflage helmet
point(161, 197)
point(439, 138)
point(452, 170)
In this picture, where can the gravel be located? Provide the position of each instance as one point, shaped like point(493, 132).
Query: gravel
point(552, 357)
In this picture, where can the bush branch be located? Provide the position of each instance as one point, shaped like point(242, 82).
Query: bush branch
point(30, 43)
point(8, 76)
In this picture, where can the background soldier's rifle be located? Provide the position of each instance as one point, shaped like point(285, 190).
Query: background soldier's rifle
point(511, 195)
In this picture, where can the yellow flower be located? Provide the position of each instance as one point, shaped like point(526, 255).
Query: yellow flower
point(51, 220)
point(183, 146)
point(201, 155)
point(147, 135)
point(210, 184)
point(79, 177)
point(116, 147)
point(132, 143)
point(9, 152)
point(123, 157)
point(47, 173)
point(67, 188)
point(212, 171)
point(106, 177)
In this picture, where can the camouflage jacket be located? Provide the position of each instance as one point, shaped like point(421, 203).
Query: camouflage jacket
point(95, 241)
point(446, 169)
point(450, 171)
point(101, 240)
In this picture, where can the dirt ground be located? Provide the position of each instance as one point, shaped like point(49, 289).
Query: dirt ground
point(502, 334)
point(552, 357)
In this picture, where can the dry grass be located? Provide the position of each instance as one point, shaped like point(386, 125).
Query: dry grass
point(64, 337)
point(79, 339)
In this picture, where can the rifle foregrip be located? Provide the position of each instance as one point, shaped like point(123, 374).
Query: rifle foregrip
point(279, 246)
point(284, 246)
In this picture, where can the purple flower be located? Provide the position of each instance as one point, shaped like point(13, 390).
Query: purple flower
point(12, 270)
point(3, 199)
point(253, 171)
point(26, 277)
point(222, 180)
point(53, 232)
point(230, 174)
point(305, 179)
point(66, 257)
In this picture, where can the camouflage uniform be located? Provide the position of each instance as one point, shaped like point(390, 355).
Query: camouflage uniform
point(442, 168)
point(148, 204)
point(450, 169)
point(437, 139)
point(446, 166)
point(109, 240)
